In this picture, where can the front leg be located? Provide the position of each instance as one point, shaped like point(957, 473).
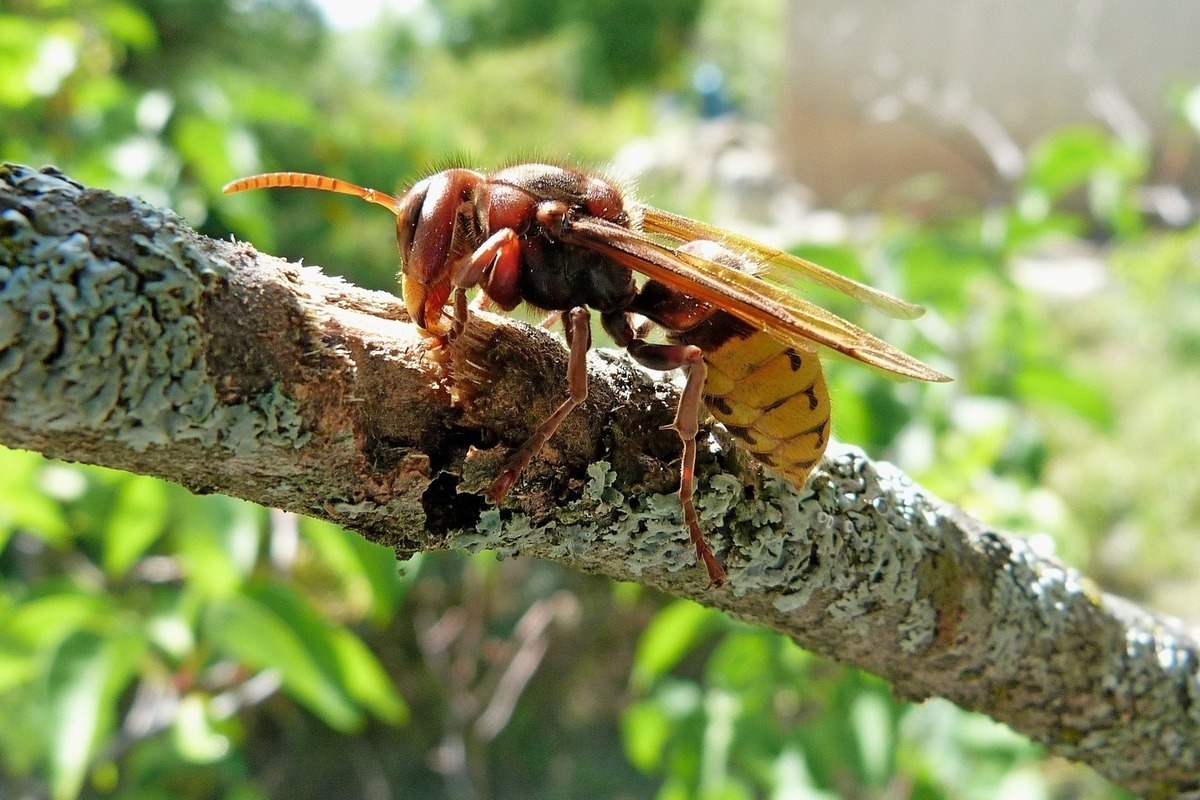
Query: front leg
point(494, 266)
point(577, 322)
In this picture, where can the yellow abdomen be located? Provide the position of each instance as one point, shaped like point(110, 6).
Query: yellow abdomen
point(772, 398)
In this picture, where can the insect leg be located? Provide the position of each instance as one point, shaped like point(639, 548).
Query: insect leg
point(577, 322)
point(496, 266)
point(461, 314)
point(687, 425)
point(687, 420)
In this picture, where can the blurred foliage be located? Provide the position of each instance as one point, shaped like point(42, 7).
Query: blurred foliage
point(155, 644)
point(639, 55)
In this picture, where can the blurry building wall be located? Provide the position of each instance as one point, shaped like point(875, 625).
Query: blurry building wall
point(877, 93)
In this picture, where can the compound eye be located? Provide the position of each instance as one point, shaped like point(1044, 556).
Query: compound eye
point(407, 217)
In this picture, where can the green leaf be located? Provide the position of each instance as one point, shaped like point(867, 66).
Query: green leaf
point(939, 265)
point(203, 142)
point(874, 728)
point(24, 505)
point(645, 731)
point(669, 637)
point(17, 667)
point(130, 25)
point(340, 653)
point(284, 639)
point(741, 660)
point(792, 778)
point(135, 522)
point(219, 540)
point(1053, 386)
point(365, 678)
point(367, 571)
point(721, 712)
point(266, 103)
point(19, 43)
point(1066, 159)
point(46, 620)
point(84, 682)
point(195, 737)
point(674, 788)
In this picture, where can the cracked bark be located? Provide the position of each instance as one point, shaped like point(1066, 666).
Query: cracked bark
point(130, 341)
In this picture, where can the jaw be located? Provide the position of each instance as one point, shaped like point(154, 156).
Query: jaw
point(425, 305)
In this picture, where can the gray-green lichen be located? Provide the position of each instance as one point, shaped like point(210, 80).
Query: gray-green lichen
point(1142, 662)
point(784, 544)
point(647, 531)
point(92, 343)
point(855, 536)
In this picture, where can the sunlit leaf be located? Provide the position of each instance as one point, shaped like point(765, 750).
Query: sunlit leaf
point(365, 678)
point(939, 265)
point(17, 666)
point(325, 666)
point(19, 41)
point(45, 620)
point(195, 737)
point(1066, 159)
point(202, 141)
point(218, 541)
point(134, 523)
point(86, 677)
point(645, 731)
point(367, 571)
point(22, 505)
point(873, 726)
point(792, 779)
point(278, 105)
point(1086, 398)
point(674, 788)
point(263, 637)
point(340, 655)
point(668, 638)
point(129, 24)
point(741, 659)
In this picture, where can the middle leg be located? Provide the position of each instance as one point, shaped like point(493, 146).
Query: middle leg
point(579, 337)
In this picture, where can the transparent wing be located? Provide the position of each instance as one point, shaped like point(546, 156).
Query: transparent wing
point(780, 262)
point(792, 319)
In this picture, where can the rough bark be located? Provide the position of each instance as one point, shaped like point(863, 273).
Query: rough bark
point(128, 340)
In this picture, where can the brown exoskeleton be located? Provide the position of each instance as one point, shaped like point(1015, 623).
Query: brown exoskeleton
point(563, 240)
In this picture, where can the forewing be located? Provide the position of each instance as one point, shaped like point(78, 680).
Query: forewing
point(780, 262)
point(792, 319)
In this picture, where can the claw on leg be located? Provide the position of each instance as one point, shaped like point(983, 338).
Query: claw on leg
point(579, 337)
point(687, 425)
point(461, 315)
point(687, 419)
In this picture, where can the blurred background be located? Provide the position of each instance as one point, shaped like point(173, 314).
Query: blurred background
point(1029, 173)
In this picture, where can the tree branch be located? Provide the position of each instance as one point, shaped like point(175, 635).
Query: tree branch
point(128, 340)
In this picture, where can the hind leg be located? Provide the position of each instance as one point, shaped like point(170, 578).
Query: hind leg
point(687, 425)
point(687, 420)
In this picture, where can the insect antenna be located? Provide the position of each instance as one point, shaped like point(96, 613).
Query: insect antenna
point(307, 180)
